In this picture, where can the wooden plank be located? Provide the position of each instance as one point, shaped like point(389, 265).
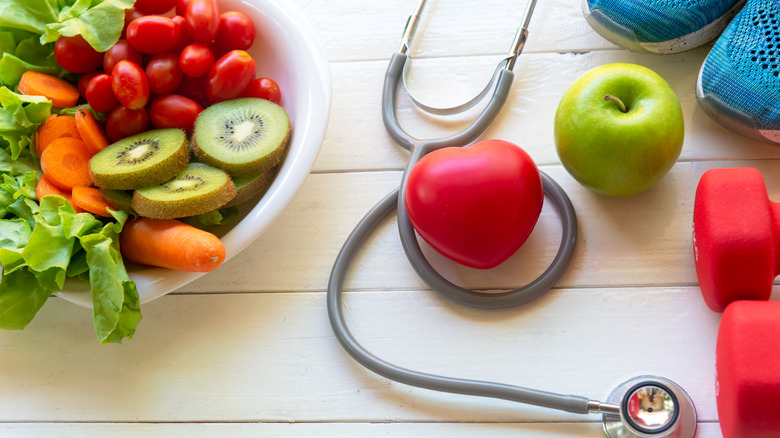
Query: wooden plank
point(360, 30)
point(323, 430)
point(357, 139)
point(640, 240)
point(248, 350)
point(274, 358)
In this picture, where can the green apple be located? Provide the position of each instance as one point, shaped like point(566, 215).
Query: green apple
point(619, 129)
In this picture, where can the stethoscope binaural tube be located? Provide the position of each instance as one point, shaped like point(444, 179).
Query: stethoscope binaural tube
point(621, 419)
point(567, 403)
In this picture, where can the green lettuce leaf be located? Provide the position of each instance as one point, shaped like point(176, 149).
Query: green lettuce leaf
point(64, 243)
point(28, 54)
point(17, 194)
point(20, 116)
point(14, 233)
point(39, 265)
point(21, 297)
point(116, 310)
point(212, 218)
point(43, 244)
point(32, 16)
point(100, 22)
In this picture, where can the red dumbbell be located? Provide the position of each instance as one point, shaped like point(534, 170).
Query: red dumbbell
point(735, 237)
point(748, 370)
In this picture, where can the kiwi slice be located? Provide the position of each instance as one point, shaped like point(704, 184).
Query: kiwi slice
point(118, 199)
point(243, 136)
point(141, 160)
point(199, 188)
point(248, 187)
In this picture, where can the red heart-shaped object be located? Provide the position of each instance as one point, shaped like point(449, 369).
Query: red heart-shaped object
point(477, 204)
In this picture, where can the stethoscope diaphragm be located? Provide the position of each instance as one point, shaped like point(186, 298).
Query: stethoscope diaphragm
point(650, 406)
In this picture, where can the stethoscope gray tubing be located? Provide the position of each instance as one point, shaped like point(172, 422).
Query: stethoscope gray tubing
point(569, 403)
point(617, 421)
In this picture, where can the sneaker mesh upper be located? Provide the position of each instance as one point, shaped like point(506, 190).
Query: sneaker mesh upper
point(743, 68)
point(755, 49)
point(662, 20)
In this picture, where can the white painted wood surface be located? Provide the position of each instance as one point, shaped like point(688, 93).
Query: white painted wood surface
point(247, 350)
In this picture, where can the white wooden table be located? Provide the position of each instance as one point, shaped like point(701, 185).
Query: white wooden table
point(247, 351)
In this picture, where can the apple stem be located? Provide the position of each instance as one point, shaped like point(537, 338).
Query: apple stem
point(617, 101)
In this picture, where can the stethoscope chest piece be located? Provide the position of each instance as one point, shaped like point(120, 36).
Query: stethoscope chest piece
point(650, 406)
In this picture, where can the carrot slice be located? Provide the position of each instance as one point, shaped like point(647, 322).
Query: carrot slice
point(90, 199)
point(53, 128)
point(61, 93)
point(65, 162)
point(170, 243)
point(90, 130)
point(45, 187)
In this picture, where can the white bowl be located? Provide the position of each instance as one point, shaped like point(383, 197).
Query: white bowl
point(286, 50)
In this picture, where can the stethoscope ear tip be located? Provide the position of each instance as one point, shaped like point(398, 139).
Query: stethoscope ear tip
point(650, 406)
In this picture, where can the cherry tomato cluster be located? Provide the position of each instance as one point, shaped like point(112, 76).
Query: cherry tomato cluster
point(175, 57)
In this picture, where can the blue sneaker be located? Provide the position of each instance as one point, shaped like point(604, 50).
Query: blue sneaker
point(739, 83)
point(660, 26)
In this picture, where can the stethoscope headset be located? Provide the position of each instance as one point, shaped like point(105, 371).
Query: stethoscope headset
point(644, 406)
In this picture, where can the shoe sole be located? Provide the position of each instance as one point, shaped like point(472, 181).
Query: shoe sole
point(626, 38)
point(731, 118)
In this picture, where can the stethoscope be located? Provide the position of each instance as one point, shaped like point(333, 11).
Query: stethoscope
point(644, 406)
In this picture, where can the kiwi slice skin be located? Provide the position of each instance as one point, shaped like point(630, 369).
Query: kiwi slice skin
point(141, 160)
point(242, 136)
point(248, 187)
point(197, 189)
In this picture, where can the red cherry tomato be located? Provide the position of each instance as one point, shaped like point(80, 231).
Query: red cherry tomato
point(236, 31)
point(181, 7)
point(100, 94)
point(264, 88)
point(184, 37)
point(121, 51)
point(201, 20)
point(75, 55)
point(229, 76)
point(130, 84)
point(153, 34)
point(164, 73)
point(123, 122)
point(174, 111)
point(155, 6)
point(84, 80)
point(477, 204)
point(195, 89)
point(196, 59)
point(130, 15)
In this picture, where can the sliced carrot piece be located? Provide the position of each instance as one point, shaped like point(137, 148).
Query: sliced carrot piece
point(45, 187)
point(170, 243)
point(65, 162)
point(91, 200)
point(53, 128)
point(61, 93)
point(90, 130)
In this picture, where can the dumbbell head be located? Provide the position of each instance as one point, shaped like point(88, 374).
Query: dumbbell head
point(733, 237)
point(748, 370)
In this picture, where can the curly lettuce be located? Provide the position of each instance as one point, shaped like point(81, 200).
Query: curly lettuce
point(43, 244)
point(62, 243)
point(100, 22)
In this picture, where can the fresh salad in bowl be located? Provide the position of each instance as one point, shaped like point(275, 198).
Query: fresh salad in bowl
point(128, 129)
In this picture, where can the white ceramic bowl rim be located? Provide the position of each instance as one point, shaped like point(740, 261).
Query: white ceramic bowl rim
point(309, 106)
